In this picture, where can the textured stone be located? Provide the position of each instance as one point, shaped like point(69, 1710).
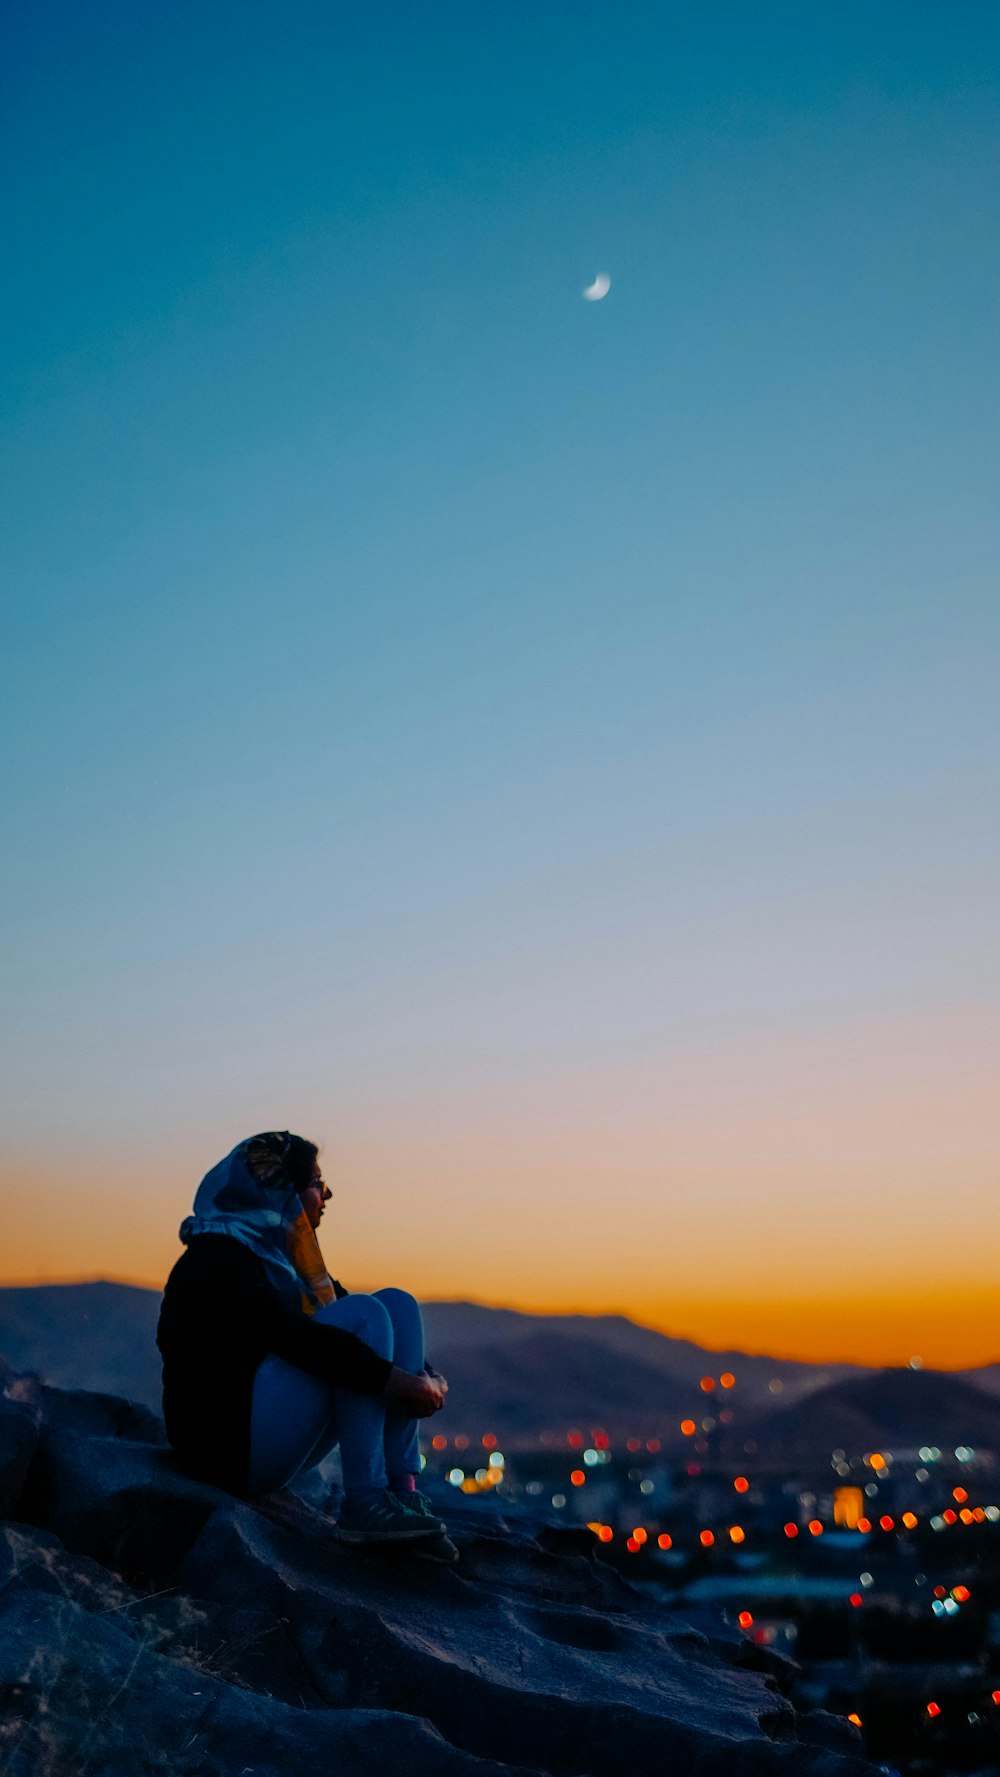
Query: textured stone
point(126, 1504)
point(19, 1435)
point(521, 1665)
point(99, 1416)
point(246, 1646)
point(81, 1694)
point(181, 1630)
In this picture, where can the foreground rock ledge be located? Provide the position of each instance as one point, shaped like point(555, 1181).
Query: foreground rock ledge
point(152, 1624)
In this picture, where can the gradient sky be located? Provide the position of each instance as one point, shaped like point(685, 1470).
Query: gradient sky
point(545, 751)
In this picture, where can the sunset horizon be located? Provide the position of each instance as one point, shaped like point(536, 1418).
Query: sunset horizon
point(979, 1348)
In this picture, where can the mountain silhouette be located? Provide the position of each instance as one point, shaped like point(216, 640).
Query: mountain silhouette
point(887, 1411)
point(510, 1373)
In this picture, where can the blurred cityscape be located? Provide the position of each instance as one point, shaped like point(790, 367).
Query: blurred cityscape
point(846, 1518)
point(876, 1570)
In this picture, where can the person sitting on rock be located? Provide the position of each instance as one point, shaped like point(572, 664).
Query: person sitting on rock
point(268, 1362)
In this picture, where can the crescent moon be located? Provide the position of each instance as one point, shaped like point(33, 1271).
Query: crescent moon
point(596, 291)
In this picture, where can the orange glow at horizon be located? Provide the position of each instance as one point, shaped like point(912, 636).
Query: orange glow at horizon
point(877, 1251)
point(863, 1330)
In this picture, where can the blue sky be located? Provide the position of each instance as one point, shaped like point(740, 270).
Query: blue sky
point(433, 696)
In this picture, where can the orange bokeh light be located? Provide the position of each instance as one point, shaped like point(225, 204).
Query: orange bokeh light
point(745, 1620)
point(741, 1484)
point(439, 1443)
point(911, 1520)
point(688, 1427)
point(665, 1541)
point(864, 1525)
point(887, 1523)
point(737, 1534)
point(815, 1527)
point(706, 1538)
point(934, 1709)
point(708, 1383)
point(578, 1477)
point(959, 1495)
point(727, 1379)
point(791, 1530)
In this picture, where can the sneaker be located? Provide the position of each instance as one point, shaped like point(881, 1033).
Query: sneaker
point(418, 1505)
point(382, 1520)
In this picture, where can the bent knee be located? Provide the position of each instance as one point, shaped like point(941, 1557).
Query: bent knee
point(394, 1298)
point(368, 1308)
point(368, 1319)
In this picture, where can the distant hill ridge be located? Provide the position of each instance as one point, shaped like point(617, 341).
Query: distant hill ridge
point(99, 1336)
point(511, 1373)
point(539, 1369)
point(898, 1410)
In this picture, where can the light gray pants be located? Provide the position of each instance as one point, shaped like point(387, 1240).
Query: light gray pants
point(296, 1420)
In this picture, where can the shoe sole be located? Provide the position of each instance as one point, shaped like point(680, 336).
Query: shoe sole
point(441, 1551)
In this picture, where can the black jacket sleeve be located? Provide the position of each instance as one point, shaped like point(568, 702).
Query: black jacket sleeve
point(327, 1352)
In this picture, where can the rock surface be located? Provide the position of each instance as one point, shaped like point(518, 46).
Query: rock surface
point(152, 1624)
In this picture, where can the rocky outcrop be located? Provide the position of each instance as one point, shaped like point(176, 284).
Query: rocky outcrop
point(19, 1436)
point(149, 1623)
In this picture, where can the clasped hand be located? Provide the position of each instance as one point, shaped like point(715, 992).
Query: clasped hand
point(416, 1396)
